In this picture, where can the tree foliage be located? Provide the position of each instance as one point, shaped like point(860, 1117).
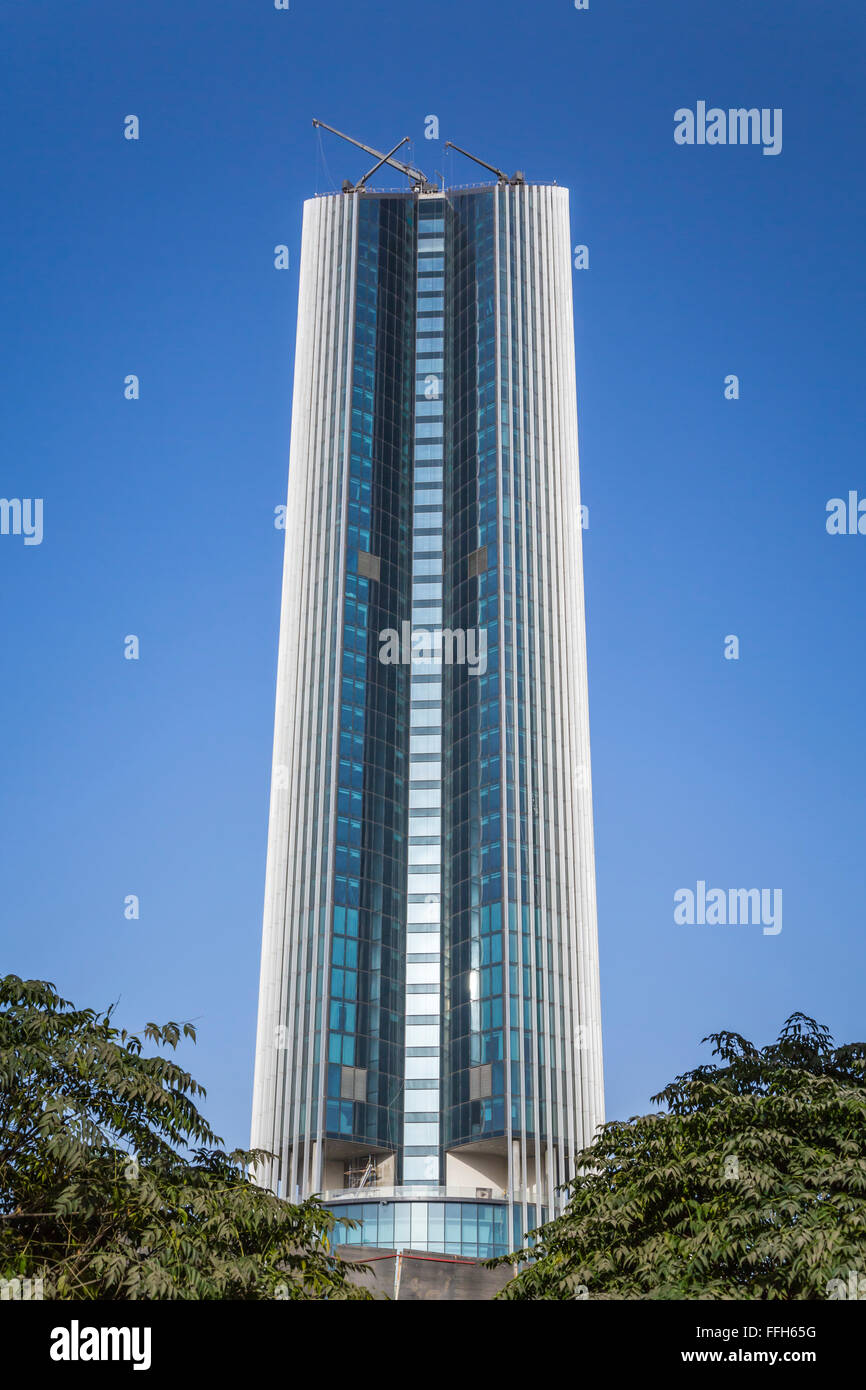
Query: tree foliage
point(750, 1185)
point(114, 1186)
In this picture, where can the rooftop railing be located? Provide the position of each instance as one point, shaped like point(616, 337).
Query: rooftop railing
point(416, 1192)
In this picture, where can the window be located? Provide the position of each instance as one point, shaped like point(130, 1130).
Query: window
point(480, 1081)
point(477, 562)
point(369, 566)
point(353, 1083)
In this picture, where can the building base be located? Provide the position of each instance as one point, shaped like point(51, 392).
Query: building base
point(413, 1275)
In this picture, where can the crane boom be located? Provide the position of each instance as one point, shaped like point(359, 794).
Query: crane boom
point(386, 158)
point(502, 177)
point(415, 176)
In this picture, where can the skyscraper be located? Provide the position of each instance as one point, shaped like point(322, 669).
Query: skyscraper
point(429, 1042)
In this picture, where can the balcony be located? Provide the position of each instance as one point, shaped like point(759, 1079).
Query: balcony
point(415, 1192)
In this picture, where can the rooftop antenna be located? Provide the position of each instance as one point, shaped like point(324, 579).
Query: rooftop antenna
point(415, 176)
point(502, 177)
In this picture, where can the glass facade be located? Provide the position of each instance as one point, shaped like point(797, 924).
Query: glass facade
point(429, 1028)
point(469, 1229)
point(365, 1014)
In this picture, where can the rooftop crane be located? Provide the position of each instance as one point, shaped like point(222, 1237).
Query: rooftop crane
point(502, 177)
point(415, 176)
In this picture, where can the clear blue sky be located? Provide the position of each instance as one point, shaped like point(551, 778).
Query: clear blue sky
point(707, 516)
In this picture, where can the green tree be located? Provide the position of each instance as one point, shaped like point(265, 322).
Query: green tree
point(750, 1185)
point(113, 1185)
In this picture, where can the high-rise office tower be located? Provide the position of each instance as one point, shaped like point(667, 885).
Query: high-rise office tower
point(429, 1044)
